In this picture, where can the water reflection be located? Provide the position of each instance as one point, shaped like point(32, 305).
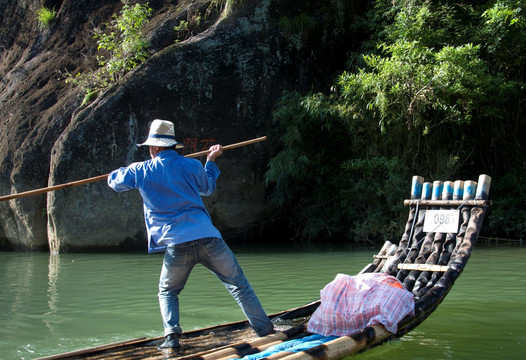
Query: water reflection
point(21, 281)
point(49, 317)
point(21, 277)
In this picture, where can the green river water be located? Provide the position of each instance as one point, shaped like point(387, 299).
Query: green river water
point(56, 303)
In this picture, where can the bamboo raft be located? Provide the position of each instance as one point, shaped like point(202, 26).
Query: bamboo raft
point(430, 256)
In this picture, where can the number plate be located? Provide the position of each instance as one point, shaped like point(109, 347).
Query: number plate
point(442, 221)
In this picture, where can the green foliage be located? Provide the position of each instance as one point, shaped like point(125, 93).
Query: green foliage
point(46, 16)
point(438, 92)
point(411, 76)
point(122, 47)
point(414, 82)
point(504, 30)
point(124, 43)
point(313, 176)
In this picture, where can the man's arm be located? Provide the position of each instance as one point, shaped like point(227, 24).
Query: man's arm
point(122, 179)
point(211, 172)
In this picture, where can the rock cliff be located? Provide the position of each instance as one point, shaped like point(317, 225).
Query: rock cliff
point(218, 86)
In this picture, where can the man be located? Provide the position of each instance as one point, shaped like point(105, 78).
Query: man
point(178, 223)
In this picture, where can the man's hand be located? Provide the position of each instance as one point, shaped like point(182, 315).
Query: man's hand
point(215, 151)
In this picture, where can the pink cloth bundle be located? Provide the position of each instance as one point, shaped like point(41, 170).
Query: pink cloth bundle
point(350, 303)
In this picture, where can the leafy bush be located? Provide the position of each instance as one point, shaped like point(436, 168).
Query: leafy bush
point(123, 48)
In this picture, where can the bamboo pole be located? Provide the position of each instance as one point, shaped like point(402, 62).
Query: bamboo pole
point(105, 176)
point(93, 349)
point(343, 346)
point(233, 353)
point(240, 349)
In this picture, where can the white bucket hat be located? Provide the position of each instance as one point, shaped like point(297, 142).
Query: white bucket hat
point(162, 134)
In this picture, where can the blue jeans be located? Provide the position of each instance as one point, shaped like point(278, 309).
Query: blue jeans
point(214, 254)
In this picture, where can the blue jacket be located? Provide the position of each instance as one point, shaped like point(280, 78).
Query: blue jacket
point(171, 186)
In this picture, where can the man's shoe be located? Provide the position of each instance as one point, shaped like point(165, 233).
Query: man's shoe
point(171, 341)
point(267, 332)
